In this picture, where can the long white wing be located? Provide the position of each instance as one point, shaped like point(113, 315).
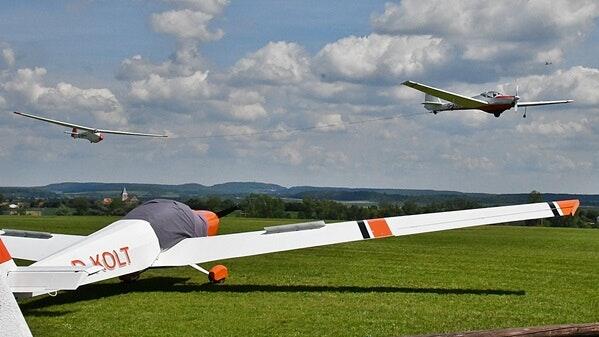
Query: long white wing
point(463, 101)
point(35, 246)
point(289, 237)
point(87, 128)
point(54, 121)
point(127, 133)
point(545, 102)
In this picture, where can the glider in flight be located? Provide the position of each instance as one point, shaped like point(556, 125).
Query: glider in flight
point(492, 102)
point(94, 135)
point(131, 245)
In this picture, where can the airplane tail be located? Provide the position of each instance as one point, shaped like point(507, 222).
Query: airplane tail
point(431, 102)
point(6, 262)
point(11, 319)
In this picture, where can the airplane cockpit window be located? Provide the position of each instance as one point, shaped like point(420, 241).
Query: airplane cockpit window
point(484, 94)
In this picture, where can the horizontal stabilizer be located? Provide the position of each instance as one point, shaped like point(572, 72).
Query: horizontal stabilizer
point(37, 280)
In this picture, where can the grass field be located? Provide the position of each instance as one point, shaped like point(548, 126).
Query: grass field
point(487, 277)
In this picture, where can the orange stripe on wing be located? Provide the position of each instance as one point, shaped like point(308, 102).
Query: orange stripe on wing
point(379, 228)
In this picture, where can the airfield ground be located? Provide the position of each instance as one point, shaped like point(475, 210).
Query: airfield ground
point(473, 279)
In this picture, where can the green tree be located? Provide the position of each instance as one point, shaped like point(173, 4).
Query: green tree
point(533, 197)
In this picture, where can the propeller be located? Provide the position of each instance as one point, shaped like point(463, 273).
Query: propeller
point(516, 98)
point(227, 211)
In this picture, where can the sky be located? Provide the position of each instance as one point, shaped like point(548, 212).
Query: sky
point(232, 82)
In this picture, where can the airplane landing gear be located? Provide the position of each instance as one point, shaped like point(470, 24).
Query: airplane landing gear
point(497, 114)
point(217, 274)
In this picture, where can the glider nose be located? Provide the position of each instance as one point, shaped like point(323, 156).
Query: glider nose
point(211, 220)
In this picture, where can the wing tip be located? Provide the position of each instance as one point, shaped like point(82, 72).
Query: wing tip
point(568, 207)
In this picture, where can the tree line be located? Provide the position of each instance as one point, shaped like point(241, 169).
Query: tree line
point(265, 206)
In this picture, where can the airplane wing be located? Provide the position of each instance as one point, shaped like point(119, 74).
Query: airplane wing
point(35, 246)
point(462, 101)
point(545, 102)
point(127, 133)
point(297, 236)
point(53, 121)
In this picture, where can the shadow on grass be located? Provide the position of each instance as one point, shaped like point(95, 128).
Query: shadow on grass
point(179, 285)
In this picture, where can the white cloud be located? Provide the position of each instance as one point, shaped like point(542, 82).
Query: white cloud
point(379, 57)
point(207, 6)
point(330, 122)
point(26, 88)
point(489, 30)
point(186, 24)
point(469, 162)
point(9, 56)
point(246, 105)
point(184, 89)
point(556, 128)
point(184, 62)
point(276, 63)
point(578, 83)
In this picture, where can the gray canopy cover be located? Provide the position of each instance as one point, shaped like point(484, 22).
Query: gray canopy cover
point(172, 221)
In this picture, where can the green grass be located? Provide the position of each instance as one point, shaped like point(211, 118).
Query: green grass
point(481, 278)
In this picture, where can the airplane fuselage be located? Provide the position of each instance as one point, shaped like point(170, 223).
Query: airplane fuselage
point(496, 104)
point(92, 137)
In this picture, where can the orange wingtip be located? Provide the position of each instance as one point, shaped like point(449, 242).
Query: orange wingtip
point(568, 207)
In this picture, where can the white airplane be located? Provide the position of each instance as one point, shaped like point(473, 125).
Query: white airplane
point(127, 247)
point(492, 102)
point(94, 135)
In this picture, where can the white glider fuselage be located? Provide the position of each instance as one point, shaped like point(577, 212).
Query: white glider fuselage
point(91, 136)
point(123, 247)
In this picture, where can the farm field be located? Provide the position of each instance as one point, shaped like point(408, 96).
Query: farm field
point(470, 279)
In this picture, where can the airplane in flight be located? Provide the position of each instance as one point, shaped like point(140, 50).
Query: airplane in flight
point(129, 246)
point(492, 102)
point(94, 135)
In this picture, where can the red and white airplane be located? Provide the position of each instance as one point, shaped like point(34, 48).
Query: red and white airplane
point(127, 247)
point(94, 135)
point(492, 102)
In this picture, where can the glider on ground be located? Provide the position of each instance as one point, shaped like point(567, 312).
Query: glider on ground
point(94, 135)
point(127, 247)
point(492, 102)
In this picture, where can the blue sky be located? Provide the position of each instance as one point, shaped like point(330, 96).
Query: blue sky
point(196, 68)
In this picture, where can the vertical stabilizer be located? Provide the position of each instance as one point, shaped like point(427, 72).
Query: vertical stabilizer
point(431, 99)
point(432, 103)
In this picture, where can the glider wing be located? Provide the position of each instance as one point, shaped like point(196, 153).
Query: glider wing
point(290, 237)
point(34, 246)
point(54, 121)
point(462, 101)
point(545, 102)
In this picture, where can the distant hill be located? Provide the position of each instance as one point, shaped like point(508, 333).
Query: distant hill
point(240, 189)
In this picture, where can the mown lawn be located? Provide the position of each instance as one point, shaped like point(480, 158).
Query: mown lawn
point(487, 277)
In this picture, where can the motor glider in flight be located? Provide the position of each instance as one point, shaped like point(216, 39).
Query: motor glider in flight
point(94, 135)
point(492, 102)
point(166, 233)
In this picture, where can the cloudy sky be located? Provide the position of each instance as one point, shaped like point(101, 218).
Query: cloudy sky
point(258, 70)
